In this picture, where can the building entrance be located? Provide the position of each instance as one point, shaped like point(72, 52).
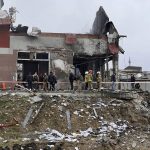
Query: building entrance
point(30, 63)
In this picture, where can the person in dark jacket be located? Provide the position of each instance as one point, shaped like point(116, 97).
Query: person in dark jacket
point(71, 79)
point(41, 78)
point(35, 81)
point(52, 81)
point(113, 80)
point(30, 81)
point(45, 82)
point(132, 80)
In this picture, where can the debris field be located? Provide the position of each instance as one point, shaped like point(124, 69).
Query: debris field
point(78, 121)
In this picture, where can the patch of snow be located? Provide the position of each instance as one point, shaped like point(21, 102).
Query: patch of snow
point(13, 94)
point(64, 104)
point(36, 140)
point(35, 99)
point(117, 127)
point(52, 136)
point(5, 141)
point(106, 128)
point(76, 112)
point(26, 139)
point(86, 132)
point(76, 148)
point(70, 138)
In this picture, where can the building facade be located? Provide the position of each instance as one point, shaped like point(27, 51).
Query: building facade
point(21, 53)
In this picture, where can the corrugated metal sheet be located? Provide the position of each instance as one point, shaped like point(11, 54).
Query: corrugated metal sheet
point(113, 48)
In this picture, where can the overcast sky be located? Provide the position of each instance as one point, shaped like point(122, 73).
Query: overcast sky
point(131, 18)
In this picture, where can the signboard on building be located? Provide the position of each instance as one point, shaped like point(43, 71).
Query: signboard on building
point(70, 39)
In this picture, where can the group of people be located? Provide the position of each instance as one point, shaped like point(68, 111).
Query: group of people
point(48, 82)
point(42, 81)
point(132, 80)
point(88, 80)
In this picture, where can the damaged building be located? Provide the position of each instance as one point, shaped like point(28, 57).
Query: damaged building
point(22, 52)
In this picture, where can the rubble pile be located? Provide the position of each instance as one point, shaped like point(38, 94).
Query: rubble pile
point(104, 131)
point(74, 121)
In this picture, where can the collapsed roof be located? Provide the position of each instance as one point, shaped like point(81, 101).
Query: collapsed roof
point(105, 28)
point(100, 21)
point(101, 24)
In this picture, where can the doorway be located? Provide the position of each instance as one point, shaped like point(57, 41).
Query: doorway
point(40, 67)
point(31, 62)
point(85, 63)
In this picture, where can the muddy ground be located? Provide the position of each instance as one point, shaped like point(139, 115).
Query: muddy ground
point(78, 121)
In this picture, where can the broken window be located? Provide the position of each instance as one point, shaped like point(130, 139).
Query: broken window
point(42, 56)
point(23, 55)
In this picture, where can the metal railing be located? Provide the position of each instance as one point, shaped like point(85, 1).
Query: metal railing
point(145, 86)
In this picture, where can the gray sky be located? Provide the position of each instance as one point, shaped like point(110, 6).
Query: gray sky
point(131, 18)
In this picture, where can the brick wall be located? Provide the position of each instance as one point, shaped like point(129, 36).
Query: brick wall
point(4, 36)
